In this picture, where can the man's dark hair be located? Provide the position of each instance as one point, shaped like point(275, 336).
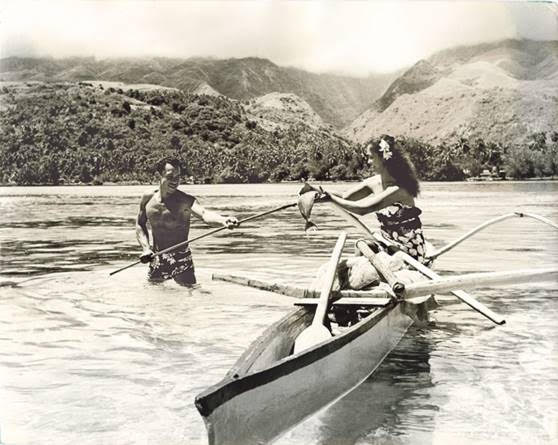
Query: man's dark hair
point(168, 160)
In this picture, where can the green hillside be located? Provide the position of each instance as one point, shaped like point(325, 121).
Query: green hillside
point(83, 132)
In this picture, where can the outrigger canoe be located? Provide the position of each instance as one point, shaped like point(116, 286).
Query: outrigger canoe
point(270, 389)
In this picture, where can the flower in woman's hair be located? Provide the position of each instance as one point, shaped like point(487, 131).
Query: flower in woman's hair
point(385, 149)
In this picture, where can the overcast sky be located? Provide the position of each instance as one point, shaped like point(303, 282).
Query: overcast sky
point(321, 36)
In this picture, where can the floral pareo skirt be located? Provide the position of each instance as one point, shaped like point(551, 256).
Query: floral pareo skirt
point(170, 264)
point(411, 242)
point(402, 225)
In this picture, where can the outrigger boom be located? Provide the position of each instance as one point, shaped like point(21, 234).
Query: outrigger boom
point(484, 225)
point(382, 295)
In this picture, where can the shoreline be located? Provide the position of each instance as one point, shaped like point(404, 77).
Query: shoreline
point(134, 183)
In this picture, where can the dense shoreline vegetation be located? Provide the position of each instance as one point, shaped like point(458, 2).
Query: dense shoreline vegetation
point(64, 133)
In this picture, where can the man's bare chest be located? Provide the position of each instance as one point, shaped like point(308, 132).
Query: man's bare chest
point(169, 214)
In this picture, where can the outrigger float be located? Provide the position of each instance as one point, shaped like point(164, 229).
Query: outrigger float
point(278, 382)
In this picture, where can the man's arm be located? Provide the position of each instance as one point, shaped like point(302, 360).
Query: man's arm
point(142, 234)
point(213, 218)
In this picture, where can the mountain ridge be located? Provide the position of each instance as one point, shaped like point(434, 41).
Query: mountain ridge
point(501, 92)
point(337, 99)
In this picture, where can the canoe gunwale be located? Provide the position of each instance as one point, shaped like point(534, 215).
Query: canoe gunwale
point(229, 387)
point(244, 363)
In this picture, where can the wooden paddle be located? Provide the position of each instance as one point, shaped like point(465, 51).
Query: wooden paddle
point(427, 272)
point(206, 234)
point(317, 332)
point(463, 296)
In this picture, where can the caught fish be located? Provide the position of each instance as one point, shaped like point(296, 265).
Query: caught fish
point(306, 197)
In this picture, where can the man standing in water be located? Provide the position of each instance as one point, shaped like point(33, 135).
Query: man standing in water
point(167, 211)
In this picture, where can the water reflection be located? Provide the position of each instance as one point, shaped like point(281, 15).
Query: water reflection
point(396, 397)
point(81, 243)
point(71, 222)
point(33, 258)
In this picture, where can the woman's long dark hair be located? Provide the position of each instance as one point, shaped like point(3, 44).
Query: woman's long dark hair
point(398, 164)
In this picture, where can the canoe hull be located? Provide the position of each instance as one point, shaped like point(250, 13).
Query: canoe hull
point(263, 404)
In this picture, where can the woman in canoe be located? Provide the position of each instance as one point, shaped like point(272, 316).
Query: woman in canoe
point(391, 194)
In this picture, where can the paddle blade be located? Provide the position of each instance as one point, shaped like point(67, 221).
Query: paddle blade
point(311, 336)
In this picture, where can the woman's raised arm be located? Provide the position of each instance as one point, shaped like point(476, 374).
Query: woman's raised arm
point(370, 203)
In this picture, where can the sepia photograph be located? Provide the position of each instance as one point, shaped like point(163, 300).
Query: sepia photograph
point(322, 222)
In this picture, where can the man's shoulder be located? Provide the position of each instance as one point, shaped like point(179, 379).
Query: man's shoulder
point(146, 197)
point(185, 198)
point(150, 194)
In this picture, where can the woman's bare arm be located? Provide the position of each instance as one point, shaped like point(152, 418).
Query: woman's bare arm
point(360, 190)
point(369, 204)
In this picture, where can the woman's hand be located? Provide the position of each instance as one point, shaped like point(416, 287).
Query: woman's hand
point(322, 196)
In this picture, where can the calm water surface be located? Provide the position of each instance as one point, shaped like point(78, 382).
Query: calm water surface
point(92, 359)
